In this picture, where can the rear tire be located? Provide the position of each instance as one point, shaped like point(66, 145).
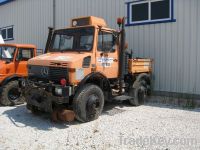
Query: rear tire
point(10, 95)
point(88, 103)
point(139, 95)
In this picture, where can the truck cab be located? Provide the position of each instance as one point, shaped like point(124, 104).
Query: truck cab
point(13, 66)
point(83, 48)
point(83, 67)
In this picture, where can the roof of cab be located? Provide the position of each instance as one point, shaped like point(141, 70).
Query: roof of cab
point(92, 20)
point(20, 45)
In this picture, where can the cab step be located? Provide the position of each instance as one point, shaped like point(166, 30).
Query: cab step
point(122, 98)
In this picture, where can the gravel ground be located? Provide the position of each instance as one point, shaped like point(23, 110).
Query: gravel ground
point(119, 127)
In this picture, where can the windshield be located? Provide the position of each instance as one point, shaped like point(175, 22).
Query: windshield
point(7, 52)
point(80, 39)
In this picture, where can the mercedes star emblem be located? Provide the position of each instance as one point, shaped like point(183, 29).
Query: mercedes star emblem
point(45, 71)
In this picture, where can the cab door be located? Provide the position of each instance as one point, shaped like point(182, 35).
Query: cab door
point(22, 57)
point(107, 54)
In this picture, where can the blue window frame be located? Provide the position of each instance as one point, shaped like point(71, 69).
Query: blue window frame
point(2, 2)
point(7, 33)
point(141, 12)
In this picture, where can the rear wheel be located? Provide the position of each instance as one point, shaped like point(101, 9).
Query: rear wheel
point(11, 95)
point(138, 93)
point(88, 103)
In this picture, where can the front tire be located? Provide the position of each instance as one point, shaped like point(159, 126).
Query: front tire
point(88, 103)
point(10, 95)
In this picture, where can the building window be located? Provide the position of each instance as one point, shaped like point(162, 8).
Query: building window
point(142, 12)
point(139, 12)
point(2, 2)
point(3, 32)
point(7, 33)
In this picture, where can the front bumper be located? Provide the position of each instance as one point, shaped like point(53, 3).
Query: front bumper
point(45, 95)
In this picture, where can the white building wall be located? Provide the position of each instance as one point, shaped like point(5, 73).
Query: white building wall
point(30, 18)
point(173, 46)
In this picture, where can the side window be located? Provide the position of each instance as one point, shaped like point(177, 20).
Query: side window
point(106, 42)
point(7, 33)
point(25, 54)
point(3, 32)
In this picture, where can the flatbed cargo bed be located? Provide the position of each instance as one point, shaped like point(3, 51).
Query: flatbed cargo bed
point(140, 65)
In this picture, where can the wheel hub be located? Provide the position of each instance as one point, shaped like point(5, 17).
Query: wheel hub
point(92, 105)
point(14, 94)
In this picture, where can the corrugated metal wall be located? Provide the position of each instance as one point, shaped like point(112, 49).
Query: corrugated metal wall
point(173, 46)
point(30, 18)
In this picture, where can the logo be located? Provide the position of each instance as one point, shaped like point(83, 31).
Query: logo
point(45, 71)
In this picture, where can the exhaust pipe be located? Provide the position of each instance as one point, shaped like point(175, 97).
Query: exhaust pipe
point(50, 35)
point(122, 55)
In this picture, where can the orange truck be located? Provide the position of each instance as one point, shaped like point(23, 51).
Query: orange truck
point(13, 66)
point(85, 65)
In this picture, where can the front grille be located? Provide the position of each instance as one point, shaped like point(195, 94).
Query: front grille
point(54, 74)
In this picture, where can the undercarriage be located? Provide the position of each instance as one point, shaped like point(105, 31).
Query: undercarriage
point(46, 96)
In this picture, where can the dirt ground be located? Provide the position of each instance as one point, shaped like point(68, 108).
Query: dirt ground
point(121, 126)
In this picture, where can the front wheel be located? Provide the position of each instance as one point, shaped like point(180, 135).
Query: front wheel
point(10, 94)
point(88, 103)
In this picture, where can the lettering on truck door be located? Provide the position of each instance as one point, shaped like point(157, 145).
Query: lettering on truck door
point(107, 54)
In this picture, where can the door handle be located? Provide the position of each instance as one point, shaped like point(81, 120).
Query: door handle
point(115, 60)
point(104, 54)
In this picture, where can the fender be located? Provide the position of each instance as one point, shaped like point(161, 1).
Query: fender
point(97, 77)
point(10, 78)
point(141, 77)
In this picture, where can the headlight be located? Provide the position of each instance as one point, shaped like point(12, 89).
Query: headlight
point(22, 83)
point(74, 23)
point(58, 91)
